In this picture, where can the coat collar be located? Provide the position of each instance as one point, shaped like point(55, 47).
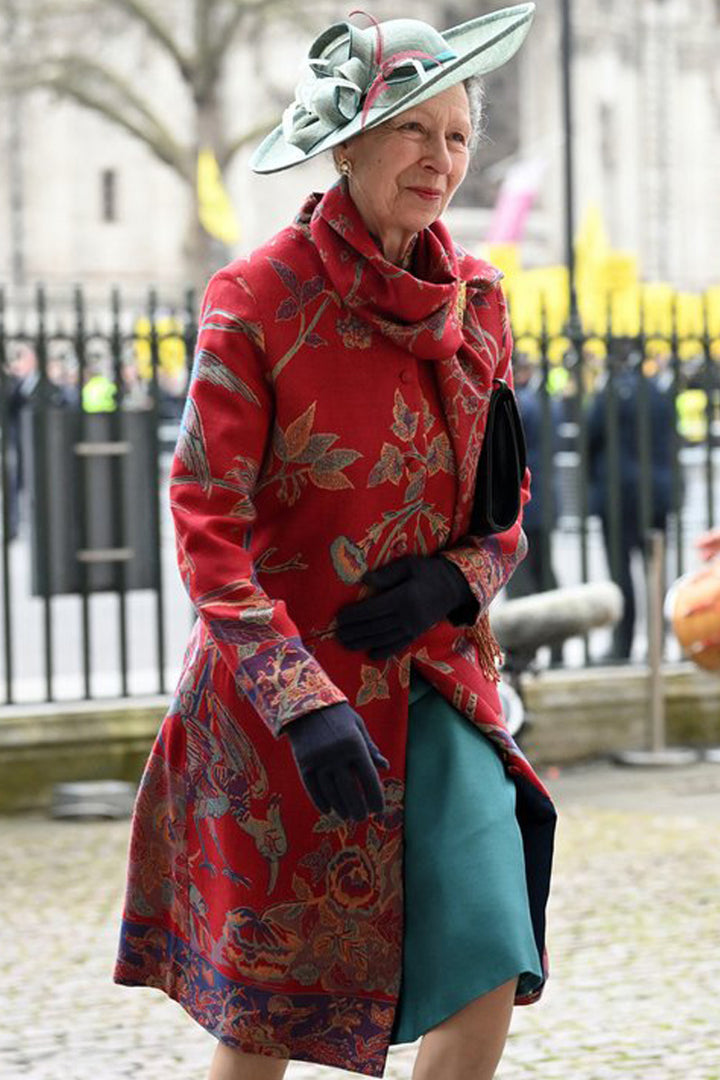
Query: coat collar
point(420, 308)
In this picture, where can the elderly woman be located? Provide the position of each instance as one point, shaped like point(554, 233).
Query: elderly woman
point(337, 845)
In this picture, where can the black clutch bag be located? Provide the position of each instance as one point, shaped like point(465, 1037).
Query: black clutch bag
point(501, 465)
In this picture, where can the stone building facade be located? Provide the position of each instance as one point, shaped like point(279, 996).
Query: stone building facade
point(82, 201)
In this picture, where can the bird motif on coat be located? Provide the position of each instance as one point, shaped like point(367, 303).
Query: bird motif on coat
point(227, 778)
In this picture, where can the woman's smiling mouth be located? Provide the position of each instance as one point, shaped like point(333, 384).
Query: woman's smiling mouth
point(427, 193)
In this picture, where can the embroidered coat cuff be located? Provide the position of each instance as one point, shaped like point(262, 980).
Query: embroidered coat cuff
point(487, 563)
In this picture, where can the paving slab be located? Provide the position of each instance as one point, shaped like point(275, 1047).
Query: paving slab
point(634, 936)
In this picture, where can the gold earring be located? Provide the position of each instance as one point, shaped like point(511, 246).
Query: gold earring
point(345, 167)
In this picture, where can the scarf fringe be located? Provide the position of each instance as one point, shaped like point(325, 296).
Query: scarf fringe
point(490, 655)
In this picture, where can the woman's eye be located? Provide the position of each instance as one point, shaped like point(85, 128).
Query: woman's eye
point(459, 136)
point(412, 125)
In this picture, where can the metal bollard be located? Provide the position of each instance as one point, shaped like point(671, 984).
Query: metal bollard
point(659, 753)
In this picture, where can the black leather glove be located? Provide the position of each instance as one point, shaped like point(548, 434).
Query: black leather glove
point(338, 761)
point(419, 591)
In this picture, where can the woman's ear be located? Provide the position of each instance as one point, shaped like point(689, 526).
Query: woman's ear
point(338, 153)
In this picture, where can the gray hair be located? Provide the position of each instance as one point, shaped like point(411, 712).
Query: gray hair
point(475, 91)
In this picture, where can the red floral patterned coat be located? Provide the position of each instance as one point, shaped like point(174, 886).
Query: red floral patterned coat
point(334, 422)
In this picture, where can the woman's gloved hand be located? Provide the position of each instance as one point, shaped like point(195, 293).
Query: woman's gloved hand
point(418, 592)
point(338, 761)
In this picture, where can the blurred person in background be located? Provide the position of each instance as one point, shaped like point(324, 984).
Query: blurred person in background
point(136, 392)
point(23, 392)
point(172, 386)
point(629, 382)
point(22, 381)
point(337, 845)
point(535, 573)
point(99, 394)
point(62, 375)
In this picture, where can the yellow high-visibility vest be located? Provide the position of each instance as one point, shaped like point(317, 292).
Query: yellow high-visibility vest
point(692, 414)
point(99, 394)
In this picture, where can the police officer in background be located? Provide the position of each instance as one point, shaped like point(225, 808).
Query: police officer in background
point(535, 573)
point(618, 494)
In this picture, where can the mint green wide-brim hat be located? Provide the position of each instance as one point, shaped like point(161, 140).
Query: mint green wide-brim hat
point(358, 78)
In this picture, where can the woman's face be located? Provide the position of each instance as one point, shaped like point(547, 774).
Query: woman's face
point(405, 171)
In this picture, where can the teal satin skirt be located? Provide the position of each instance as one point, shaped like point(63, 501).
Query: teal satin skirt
point(467, 918)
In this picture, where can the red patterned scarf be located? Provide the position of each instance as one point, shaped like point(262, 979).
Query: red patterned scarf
point(419, 308)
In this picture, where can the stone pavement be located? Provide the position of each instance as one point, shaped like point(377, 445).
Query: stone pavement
point(634, 940)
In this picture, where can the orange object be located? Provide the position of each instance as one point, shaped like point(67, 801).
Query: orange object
point(694, 610)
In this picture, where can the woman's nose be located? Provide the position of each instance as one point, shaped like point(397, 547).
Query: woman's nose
point(438, 154)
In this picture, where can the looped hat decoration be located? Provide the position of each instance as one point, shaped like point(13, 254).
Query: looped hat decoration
point(356, 78)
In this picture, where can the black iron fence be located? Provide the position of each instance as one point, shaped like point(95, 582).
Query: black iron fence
point(90, 408)
point(624, 435)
